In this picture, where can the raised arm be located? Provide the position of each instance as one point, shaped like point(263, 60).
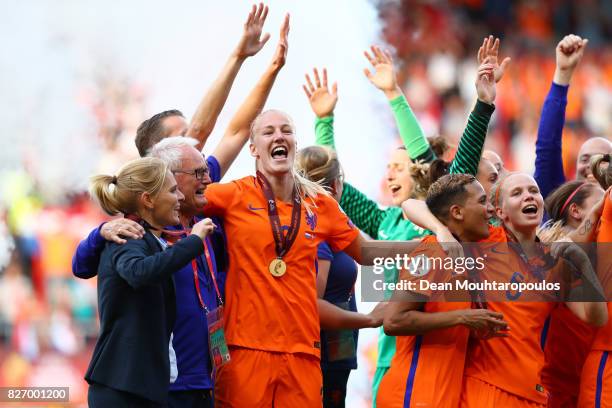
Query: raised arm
point(418, 212)
point(549, 163)
point(472, 141)
point(205, 117)
point(364, 213)
point(323, 102)
point(410, 130)
point(238, 130)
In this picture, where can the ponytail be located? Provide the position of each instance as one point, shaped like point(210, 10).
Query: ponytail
point(120, 193)
point(103, 187)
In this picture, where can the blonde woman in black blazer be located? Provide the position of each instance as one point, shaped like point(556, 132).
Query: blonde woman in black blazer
point(136, 302)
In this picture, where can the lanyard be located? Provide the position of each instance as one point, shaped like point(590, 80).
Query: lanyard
point(282, 244)
point(194, 267)
point(175, 235)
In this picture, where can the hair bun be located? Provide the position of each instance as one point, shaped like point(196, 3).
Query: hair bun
point(114, 180)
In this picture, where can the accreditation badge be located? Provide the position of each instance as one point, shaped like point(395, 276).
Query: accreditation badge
point(340, 343)
point(219, 352)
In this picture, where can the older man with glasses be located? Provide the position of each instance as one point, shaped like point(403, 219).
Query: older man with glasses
point(199, 285)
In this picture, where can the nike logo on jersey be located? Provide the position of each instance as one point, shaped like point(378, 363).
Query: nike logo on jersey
point(255, 208)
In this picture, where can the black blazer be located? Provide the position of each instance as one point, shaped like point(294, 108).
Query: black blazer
point(136, 305)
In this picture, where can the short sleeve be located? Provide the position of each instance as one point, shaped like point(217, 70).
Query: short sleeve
point(324, 252)
point(338, 230)
point(214, 169)
point(219, 198)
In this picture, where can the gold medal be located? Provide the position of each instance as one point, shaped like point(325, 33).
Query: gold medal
point(277, 267)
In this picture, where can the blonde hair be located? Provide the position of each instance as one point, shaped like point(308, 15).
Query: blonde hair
point(603, 176)
point(495, 194)
point(306, 188)
point(119, 194)
point(419, 171)
point(552, 231)
point(319, 164)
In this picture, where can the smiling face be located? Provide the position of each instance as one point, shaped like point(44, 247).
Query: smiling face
point(521, 205)
point(164, 207)
point(476, 213)
point(593, 146)
point(273, 143)
point(192, 163)
point(399, 180)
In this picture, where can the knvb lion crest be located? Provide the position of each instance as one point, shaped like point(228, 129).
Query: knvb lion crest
point(311, 220)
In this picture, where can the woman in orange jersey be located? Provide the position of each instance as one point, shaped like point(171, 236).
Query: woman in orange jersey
point(566, 339)
point(506, 371)
point(432, 336)
point(274, 222)
point(596, 380)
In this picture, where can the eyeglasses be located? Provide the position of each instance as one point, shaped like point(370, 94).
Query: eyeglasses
point(200, 173)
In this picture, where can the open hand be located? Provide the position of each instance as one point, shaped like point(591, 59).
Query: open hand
point(485, 82)
point(119, 229)
point(384, 75)
point(322, 101)
point(252, 41)
point(280, 55)
point(490, 49)
point(483, 319)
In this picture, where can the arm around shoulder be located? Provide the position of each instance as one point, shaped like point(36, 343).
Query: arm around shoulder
point(136, 263)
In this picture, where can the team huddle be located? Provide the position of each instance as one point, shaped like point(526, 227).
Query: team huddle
point(241, 293)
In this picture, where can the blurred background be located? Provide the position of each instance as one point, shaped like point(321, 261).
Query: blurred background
point(80, 76)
